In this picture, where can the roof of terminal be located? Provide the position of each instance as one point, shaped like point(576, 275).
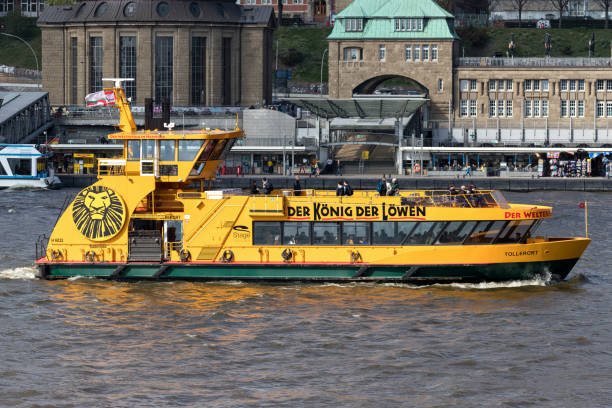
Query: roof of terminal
point(380, 18)
point(136, 11)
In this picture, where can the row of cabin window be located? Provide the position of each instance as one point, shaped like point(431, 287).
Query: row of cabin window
point(187, 149)
point(391, 232)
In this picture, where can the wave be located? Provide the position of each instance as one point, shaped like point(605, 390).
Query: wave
point(24, 273)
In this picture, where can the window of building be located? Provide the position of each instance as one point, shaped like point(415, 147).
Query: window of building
point(408, 24)
point(416, 51)
point(226, 77)
point(580, 109)
point(545, 85)
point(564, 109)
point(434, 52)
point(563, 85)
point(536, 84)
point(463, 108)
point(492, 85)
point(581, 85)
point(473, 109)
point(509, 108)
point(7, 5)
point(473, 85)
point(536, 109)
point(528, 109)
point(464, 84)
point(353, 54)
point(382, 51)
point(572, 108)
point(95, 64)
point(501, 84)
point(544, 108)
point(164, 69)
point(425, 54)
point(127, 64)
point(500, 108)
point(572, 85)
point(600, 109)
point(608, 85)
point(74, 69)
point(198, 70)
point(492, 109)
point(528, 84)
point(440, 85)
point(509, 84)
point(353, 24)
point(408, 52)
point(609, 109)
point(600, 85)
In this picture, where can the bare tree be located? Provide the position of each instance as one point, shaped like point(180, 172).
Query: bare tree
point(605, 4)
point(520, 5)
point(448, 5)
point(560, 6)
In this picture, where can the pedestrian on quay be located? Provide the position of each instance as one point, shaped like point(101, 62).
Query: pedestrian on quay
point(338, 168)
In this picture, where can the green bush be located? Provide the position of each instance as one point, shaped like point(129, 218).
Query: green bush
point(24, 27)
point(291, 57)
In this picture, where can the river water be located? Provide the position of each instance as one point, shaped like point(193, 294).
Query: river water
point(87, 342)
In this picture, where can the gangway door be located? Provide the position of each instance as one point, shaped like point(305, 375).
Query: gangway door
point(145, 245)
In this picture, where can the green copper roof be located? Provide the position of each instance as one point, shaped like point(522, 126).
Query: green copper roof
point(379, 20)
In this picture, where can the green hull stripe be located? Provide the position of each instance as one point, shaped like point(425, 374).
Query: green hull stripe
point(472, 273)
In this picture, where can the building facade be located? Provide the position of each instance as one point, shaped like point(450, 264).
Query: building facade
point(187, 52)
point(543, 9)
point(27, 8)
point(515, 101)
point(308, 11)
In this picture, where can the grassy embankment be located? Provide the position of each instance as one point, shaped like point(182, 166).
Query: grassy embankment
point(12, 51)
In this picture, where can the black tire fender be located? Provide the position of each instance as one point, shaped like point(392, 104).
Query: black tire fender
point(228, 256)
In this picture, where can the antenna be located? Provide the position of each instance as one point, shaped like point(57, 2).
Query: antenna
point(118, 81)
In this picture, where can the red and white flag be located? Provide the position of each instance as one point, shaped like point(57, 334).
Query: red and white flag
point(100, 98)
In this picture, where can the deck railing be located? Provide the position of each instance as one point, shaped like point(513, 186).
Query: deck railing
point(111, 167)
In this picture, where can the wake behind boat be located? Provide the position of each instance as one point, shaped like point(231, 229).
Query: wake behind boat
point(152, 215)
point(24, 166)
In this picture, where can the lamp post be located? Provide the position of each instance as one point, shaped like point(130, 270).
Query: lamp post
point(29, 46)
point(321, 83)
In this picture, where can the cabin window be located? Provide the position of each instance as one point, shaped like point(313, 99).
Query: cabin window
point(356, 233)
point(133, 147)
point(267, 233)
point(188, 149)
point(456, 232)
point(210, 144)
point(216, 153)
point(20, 167)
point(296, 233)
point(148, 149)
point(485, 232)
point(383, 233)
point(425, 233)
point(326, 233)
point(167, 150)
point(514, 232)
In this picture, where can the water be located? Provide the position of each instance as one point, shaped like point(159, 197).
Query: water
point(86, 342)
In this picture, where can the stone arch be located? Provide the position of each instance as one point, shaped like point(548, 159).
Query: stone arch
point(369, 85)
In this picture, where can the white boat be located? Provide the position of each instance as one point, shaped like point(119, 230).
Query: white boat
point(23, 165)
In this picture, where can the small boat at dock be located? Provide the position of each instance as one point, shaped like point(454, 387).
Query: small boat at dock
point(24, 165)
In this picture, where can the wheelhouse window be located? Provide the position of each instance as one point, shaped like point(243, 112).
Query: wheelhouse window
point(326, 233)
point(148, 149)
point(267, 233)
point(167, 150)
point(188, 149)
point(485, 232)
point(133, 150)
point(514, 232)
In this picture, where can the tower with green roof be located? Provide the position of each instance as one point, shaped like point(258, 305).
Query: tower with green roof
point(376, 40)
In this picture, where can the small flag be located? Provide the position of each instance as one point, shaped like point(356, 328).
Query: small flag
point(55, 140)
point(100, 98)
point(581, 205)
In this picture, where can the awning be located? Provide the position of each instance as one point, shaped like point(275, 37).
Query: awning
point(362, 107)
point(366, 124)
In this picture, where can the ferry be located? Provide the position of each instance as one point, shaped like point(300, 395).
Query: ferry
point(152, 215)
point(24, 165)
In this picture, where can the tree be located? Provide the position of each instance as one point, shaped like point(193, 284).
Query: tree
point(605, 4)
point(560, 6)
point(520, 5)
point(448, 5)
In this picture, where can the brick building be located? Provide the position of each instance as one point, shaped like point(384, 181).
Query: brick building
point(28, 8)
point(189, 52)
point(528, 101)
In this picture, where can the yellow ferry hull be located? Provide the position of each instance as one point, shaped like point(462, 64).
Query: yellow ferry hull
point(415, 264)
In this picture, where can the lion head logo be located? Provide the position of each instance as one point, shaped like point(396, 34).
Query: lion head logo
point(98, 213)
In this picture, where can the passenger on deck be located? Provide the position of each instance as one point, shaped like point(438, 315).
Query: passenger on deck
point(297, 186)
point(254, 189)
point(382, 187)
point(348, 190)
point(395, 187)
point(266, 186)
point(339, 189)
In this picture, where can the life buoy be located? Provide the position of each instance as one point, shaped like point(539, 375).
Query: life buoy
point(90, 256)
point(417, 168)
point(185, 255)
point(355, 255)
point(56, 255)
point(287, 254)
point(228, 256)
